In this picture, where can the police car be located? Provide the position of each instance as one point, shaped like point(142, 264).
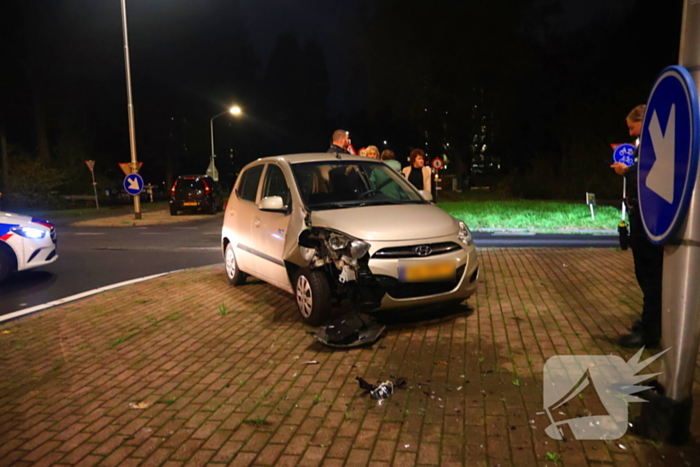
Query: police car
point(25, 243)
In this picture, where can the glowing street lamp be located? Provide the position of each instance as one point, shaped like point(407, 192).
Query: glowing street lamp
point(236, 111)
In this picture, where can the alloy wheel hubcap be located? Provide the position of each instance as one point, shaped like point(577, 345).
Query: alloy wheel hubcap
point(304, 298)
point(230, 263)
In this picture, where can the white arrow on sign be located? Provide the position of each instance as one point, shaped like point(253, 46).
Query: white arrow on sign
point(660, 178)
point(134, 184)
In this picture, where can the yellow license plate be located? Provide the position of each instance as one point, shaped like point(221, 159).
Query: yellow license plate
point(189, 204)
point(430, 272)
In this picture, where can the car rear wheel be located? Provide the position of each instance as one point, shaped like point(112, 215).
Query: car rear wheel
point(313, 296)
point(235, 275)
point(173, 211)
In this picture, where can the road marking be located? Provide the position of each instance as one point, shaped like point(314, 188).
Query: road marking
point(72, 298)
point(154, 233)
point(185, 228)
point(89, 233)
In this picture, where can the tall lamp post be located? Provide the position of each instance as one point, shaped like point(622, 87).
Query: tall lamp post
point(235, 111)
point(130, 107)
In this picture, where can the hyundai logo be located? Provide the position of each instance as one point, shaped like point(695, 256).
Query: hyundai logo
point(423, 250)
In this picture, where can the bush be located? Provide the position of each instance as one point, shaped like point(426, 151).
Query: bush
point(32, 184)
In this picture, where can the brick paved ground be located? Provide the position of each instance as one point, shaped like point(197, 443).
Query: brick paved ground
point(219, 373)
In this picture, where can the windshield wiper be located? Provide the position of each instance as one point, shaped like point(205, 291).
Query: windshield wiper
point(329, 205)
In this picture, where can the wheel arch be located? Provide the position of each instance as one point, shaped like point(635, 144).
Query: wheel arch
point(10, 253)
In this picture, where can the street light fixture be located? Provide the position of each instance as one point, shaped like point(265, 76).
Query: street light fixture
point(211, 171)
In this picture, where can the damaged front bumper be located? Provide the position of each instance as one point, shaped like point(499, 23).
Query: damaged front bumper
point(373, 282)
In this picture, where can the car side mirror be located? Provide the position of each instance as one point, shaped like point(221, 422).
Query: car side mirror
point(426, 195)
point(272, 203)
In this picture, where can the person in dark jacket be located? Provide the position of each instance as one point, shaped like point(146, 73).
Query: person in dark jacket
point(339, 142)
point(648, 257)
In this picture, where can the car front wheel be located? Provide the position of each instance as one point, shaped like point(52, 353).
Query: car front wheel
point(235, 275)
point(313, 296)
point(5, 265)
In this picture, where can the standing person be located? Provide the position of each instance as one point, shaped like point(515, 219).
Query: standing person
point(373, 152)
point(339, 142)
point(648, 257)
point(417, 173)
point(389, 159)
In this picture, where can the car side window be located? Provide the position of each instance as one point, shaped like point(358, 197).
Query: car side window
point(276, 184)
point(249, 183)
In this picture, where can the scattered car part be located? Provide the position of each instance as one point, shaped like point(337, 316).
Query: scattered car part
point(348, 330)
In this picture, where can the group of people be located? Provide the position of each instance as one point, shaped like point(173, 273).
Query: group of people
point(417, 173)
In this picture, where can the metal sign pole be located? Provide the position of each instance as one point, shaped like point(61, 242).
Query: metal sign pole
point(667, 416)
point(94, 187)
point(130, 105)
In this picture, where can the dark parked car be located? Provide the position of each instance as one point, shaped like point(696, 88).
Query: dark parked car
point(196, 193)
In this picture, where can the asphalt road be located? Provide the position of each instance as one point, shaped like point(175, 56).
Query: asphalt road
point(93, 257)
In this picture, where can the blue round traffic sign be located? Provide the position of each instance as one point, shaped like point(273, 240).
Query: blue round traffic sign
point(668, 153)
point(133, 184)
point(624, 153)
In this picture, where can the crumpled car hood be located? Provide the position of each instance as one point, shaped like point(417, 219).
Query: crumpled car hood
point(388, 222)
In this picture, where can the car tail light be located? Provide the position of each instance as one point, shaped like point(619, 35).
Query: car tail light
point(172, 190)
point(207, 189)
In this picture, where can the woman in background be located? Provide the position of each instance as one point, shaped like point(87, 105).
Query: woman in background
point(417, 173)
point(372, 151)
point(389, 159)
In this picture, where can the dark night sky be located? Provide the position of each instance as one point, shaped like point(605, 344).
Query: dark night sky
point(63, 66)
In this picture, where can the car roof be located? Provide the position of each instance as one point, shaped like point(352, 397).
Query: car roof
point(317, 157)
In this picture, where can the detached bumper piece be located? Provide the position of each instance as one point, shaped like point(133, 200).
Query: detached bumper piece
point(348, 331)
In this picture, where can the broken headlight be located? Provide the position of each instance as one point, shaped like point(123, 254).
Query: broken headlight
point(464, 234)
point(337, 241)
point(358, 249)
point(353, 248)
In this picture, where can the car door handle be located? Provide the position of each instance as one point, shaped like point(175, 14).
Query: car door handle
point(256, 222)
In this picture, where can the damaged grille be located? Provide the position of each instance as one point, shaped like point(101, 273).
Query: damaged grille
point(416, 251)
point(399, 290)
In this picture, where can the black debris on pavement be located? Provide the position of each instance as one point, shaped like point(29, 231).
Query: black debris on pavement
point(349, 330)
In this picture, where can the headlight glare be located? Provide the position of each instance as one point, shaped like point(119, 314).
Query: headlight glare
point(358, 248)
point(464, 234)
point(29, 232)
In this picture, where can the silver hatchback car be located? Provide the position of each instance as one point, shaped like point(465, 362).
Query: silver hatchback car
point(329, 227)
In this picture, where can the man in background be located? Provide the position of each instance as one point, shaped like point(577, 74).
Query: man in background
point(339, 142)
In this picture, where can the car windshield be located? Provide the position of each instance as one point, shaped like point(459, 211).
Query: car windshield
point(342, 184)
